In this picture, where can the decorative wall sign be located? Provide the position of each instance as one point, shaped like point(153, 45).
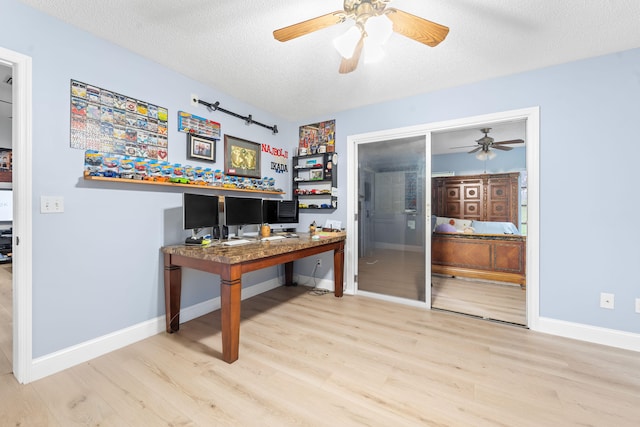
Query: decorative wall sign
point(279, 164)
point(241, 157)
point(114, 123)
point(316, 135)
point(199, 125)
point(201, 148)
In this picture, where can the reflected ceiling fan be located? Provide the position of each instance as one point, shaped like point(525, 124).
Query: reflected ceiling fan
point(374, 23)
point(486, 144)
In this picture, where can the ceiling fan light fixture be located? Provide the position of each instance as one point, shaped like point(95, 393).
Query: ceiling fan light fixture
point(486, 155)
point(379, 29)
point(346, 43)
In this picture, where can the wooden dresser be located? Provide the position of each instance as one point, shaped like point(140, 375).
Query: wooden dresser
point(487, 197)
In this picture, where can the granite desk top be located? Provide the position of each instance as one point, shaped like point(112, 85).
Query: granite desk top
point(257, 249)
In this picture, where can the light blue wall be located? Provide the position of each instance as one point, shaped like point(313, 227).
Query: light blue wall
point(97, 267)
point(588, 154)
point(467, 164)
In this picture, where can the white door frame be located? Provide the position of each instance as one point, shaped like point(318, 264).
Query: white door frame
point(532, 118)
point(22, 218)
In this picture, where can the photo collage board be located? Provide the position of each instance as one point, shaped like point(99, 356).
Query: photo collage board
point(110, 122)
point(317, 138)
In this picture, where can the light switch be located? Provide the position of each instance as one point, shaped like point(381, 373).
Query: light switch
point(51, 204)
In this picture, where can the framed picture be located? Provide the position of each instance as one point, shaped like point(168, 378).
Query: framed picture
point(201, 148)
point(241, 157)
point(316, 135)
point(316, 175)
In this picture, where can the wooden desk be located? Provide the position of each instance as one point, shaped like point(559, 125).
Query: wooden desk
point(230, 262)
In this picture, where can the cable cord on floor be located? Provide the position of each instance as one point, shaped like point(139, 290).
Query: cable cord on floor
point(315, 290)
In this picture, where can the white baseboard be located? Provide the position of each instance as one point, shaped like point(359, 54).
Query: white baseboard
point(77, 354)
point(315, 282)
point(398, 247)
point(83, 352)
point(593, 334)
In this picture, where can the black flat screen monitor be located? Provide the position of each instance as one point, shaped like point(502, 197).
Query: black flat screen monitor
point(241, 211)
point(280, 212)
point(199, 211)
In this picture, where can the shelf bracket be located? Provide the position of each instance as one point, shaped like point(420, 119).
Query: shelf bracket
point(247, 119)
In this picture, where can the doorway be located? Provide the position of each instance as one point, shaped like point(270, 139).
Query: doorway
point(21, 66)
point(6, 218)
point(532, 118)
point(481, 189)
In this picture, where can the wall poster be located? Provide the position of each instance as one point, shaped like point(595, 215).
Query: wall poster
point(317, 137)
point(190, 123)
point(110, 122)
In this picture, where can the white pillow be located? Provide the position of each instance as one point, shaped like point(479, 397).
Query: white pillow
point(459, 224)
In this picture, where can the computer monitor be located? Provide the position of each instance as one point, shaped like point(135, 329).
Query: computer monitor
point(6, 205)
point(241, 211)
point(280, 213)
point(199, 211)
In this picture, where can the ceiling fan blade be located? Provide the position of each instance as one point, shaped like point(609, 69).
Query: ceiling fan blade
point(416, 28)
point(475, 150)
point(511, 141)
point(463, 146)
point(500, 147)
point(350, 64)
point(309, 26)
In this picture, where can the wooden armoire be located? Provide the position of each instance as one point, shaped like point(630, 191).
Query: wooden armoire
point(486, 197)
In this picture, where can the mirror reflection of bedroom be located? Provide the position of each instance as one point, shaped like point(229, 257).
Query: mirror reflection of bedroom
point(479, 220)
point(392, 222)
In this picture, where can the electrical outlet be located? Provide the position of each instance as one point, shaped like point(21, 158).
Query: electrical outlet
point(606, 300)
point(319, 262)
point(637, 305)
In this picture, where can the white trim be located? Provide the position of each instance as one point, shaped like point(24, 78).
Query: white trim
point(83, 352)
point(398, 247)
point(308, 281)
point(22, 219)
point(592, 334)
point(397, 300)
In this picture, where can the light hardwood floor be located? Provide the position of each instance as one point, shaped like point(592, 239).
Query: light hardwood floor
point(353, 361)
point(490, 300)
point(394, 273)
point(6, 320)
point(401, 274)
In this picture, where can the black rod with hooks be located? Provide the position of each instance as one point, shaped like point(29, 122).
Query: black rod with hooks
point(247, 119)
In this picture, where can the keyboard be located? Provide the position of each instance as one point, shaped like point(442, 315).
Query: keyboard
point(273, 238)
point(235, 242)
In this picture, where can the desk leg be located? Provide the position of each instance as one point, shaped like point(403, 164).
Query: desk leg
point(288, 274)
point(338, 270)
point(230, 299)
point(172, 291)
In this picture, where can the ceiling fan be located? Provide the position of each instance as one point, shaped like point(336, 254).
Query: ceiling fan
point(486, 143)
point(374, 24)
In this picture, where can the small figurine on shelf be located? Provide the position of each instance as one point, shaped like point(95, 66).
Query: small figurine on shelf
point(312, 228)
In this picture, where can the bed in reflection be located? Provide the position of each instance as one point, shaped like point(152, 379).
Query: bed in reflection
point(478, 249)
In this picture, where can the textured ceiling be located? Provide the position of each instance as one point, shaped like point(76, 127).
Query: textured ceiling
point(228, 45)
